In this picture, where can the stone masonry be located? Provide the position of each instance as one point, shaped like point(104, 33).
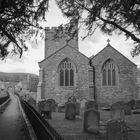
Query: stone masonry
point(126, 87)
point(58, 50)
point(49, 82)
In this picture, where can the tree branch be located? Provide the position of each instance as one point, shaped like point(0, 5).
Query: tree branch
point(12, 39)
point(121, 28)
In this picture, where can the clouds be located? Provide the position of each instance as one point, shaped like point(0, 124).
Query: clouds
point(28, 63)
point(90, 46)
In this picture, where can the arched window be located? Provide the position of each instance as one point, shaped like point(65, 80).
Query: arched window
point(109, 73)
point(66, 73)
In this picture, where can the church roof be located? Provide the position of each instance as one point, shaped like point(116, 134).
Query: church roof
point(62, 49)
point(108, 45)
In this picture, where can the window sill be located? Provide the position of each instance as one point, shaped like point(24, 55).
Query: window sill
point(110, 86)
point(67, 87)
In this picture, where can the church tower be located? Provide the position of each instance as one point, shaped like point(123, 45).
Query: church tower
point(56, 39)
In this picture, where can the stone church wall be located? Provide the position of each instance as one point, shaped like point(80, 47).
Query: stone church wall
point(51, 75)
point(125, 88)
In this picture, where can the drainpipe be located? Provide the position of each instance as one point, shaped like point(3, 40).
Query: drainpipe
point(93, 68)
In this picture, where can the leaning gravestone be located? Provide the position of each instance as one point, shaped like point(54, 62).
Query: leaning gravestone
point(91, 104)
point(70, 111)
point(117, 111)
point(91, 121)
point(116, 130)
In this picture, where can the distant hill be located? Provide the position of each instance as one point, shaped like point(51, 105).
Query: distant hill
point(14, 77)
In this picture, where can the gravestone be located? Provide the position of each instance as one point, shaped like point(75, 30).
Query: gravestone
point(82, 102)
point(53, 104)
point(45, 109)
point(91, 104)
point(137, 106)
point(70, 111)
point(91, 121)
point(116, 130)
point(127, 109)
point(131, 103)
point(82, 105)
point(77, 104)
point(61, 107)
point(32, 102)
point(41, 105)
point(117, 111)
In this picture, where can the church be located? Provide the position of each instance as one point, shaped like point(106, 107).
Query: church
point(106, 77)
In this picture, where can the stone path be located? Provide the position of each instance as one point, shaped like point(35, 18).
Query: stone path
point(12, 125)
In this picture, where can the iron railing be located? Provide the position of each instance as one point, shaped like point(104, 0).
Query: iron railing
point(42, 129)
point(4, 98)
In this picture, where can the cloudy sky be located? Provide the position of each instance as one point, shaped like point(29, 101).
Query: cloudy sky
point(90, 46)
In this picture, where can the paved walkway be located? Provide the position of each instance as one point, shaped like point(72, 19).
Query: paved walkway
point(12, 125)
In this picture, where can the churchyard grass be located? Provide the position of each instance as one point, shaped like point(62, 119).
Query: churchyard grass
point(75, 127)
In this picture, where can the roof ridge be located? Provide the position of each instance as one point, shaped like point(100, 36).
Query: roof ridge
point(61, 49)
point(108, 45)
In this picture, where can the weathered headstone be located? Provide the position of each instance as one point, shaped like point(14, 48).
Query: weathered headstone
point(91, 104)
point(70, 111)
point(82, 102)
point(117, 111)
point(91, 121)
point(116, 130)
point(41, 105)
point(45, 109)
point(137, 106)
point(77, 104)
point(61, 107)
point(127, 109)
point(52, 104)
point(82, 105)
point(131, 103)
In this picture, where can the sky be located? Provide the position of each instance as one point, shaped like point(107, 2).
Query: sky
point(90, 46)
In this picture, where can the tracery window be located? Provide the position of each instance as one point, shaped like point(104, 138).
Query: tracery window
point(66, 73)
point(109, 72)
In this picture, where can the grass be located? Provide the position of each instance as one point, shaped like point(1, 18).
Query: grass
point(75, 127)
point(66, 126)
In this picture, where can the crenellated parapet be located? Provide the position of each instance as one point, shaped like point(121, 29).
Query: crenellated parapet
point(56, 38)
